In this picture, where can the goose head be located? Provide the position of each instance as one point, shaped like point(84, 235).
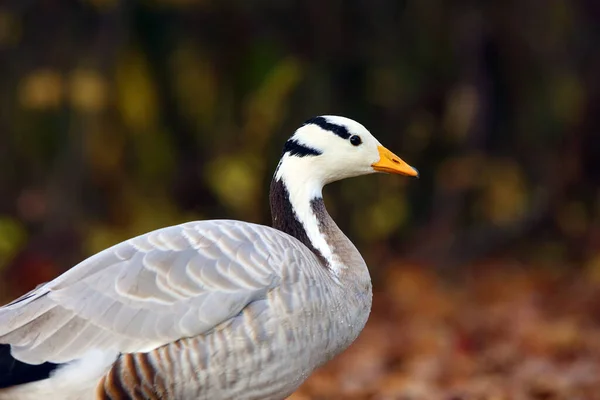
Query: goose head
point(329, 148)
point(323, 150)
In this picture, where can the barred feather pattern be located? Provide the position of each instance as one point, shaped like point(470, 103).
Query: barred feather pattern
point(236, 361)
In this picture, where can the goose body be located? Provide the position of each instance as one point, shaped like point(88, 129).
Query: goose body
point(215, 309)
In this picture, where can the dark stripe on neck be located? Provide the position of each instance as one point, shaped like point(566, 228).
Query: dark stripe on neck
point(14, 372)
point(295, 148)
point(284, 218)
point(322, 123)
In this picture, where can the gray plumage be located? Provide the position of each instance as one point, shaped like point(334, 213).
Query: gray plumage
point(235, 288)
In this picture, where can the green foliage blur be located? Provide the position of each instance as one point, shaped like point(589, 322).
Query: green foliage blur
point(117, 118)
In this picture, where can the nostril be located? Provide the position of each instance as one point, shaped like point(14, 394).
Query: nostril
point(395, 160)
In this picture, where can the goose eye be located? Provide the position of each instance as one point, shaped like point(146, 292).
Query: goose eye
point(355, 140)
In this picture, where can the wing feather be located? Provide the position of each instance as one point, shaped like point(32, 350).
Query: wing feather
point(175, 282)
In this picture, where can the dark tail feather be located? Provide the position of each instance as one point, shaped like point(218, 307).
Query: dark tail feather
point(14, 372)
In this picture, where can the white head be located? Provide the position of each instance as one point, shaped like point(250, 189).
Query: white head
point(329, 148)
point(323, 150)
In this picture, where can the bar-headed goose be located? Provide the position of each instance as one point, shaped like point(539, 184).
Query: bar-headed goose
point(210, 309)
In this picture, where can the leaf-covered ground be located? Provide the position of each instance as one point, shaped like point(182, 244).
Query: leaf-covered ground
point(498, 333)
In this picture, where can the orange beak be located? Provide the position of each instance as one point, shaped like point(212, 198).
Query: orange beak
point(392, 164)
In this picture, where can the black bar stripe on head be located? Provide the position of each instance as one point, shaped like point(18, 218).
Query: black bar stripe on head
point(322, 123)
point(295, 148)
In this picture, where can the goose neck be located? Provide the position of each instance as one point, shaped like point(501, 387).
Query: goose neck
point(297, 208)
point(292, 211)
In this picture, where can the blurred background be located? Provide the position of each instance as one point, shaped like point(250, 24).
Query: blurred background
point(117, 118)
